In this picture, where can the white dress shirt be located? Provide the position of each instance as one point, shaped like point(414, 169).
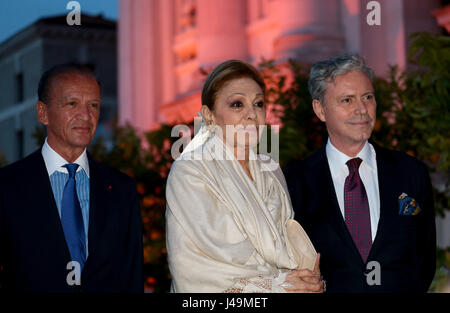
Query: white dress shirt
point(368, 173)
point(55, 162)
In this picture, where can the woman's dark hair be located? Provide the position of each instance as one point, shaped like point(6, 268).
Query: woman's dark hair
point(225, 72)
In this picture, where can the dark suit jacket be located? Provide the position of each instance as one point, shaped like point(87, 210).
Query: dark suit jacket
point(33, 251)
point(404, 246)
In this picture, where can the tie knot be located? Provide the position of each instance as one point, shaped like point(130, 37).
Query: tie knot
point(353, 164)
point(71, 168)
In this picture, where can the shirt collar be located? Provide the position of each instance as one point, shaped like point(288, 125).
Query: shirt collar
point(55, 162)
point(337, 159)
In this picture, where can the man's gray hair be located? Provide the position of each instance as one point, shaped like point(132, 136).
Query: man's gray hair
point(324, 72)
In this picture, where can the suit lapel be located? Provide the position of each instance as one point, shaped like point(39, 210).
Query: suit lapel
point(42, 193)
point(98, 205)
point(386, 185)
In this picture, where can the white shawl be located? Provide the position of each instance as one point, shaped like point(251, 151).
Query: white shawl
point(226, 232)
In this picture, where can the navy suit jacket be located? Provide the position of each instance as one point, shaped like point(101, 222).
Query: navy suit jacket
point(404, 246)
point(33, 251)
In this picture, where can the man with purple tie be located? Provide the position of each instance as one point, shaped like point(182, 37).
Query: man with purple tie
point(368, 210)
point(67, 222)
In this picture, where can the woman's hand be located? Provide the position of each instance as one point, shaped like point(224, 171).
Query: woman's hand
point(306, 281)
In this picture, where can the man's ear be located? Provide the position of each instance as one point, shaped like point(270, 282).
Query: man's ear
point(207, 114)
point(42, 113)
point(318, 108)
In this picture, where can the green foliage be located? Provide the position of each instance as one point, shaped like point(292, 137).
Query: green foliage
point(302, 132)
point(415, 109)
point(427, 101)
point(146, 158)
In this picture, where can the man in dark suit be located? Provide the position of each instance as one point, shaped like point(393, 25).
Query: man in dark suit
point(67, 222)
point(369, 211)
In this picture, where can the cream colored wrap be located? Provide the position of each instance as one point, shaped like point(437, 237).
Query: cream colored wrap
point(225, 232)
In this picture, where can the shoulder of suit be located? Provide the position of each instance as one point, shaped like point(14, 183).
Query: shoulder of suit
point(291, 170)
point(23, 165)
point(402, 162)
point(110, 172)
point(400, 158)
point(315, 159)
point(300, 167)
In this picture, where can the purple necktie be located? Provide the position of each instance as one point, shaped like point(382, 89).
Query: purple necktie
point(357, 215)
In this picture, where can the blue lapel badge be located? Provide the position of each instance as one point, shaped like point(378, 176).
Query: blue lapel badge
point(408, 205)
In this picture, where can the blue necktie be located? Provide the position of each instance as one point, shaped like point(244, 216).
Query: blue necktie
point(72, 218)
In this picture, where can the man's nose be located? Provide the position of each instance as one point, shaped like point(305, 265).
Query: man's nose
point(362, 106)
point(84, 111)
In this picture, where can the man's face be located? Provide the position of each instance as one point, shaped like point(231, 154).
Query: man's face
point(349, 110)
point(72, 113)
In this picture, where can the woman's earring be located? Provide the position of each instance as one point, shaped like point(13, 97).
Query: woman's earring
point(210, 126)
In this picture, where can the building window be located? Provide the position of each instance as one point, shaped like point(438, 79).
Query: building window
point(19, 87)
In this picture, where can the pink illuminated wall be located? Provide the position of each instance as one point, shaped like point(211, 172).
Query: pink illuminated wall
point(166, 46)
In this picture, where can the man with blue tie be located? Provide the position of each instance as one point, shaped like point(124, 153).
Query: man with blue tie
point(368, 210)
point(67, 222)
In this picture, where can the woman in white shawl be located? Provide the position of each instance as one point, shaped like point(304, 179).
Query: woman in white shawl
point(229, 217)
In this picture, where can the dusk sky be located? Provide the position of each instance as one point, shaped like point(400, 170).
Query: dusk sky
point(15, 15)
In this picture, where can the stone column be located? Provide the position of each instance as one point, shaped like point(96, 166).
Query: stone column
point(310, 30)
point(166, 56)
point(136, 48)
point(221, 31)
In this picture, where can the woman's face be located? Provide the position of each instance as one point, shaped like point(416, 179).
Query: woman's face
point(239, 110)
